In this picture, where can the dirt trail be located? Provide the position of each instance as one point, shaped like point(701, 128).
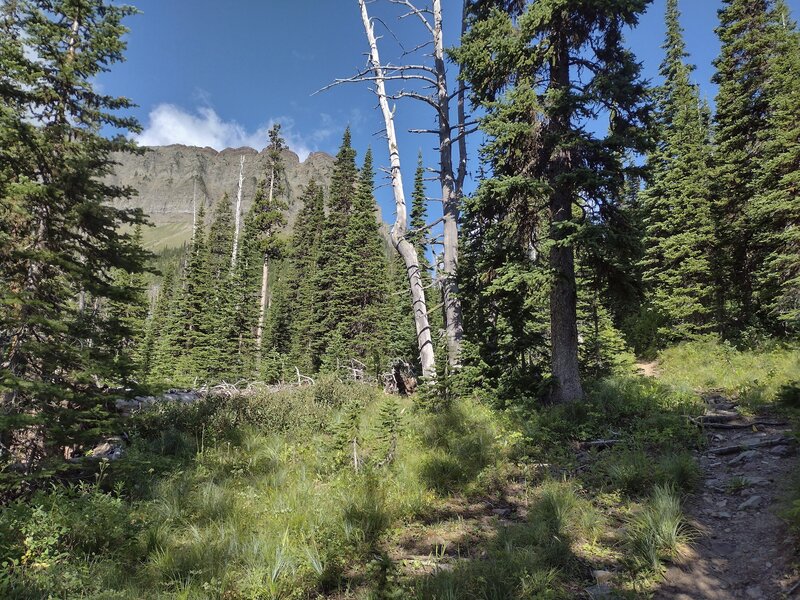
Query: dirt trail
point(743, 549)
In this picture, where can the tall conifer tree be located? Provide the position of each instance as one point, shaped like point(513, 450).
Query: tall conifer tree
point(676, 206)
point(331, 305)
point(740, 122)
point(540, 69)
point(62, 235)
point(303, 257)
point(363, 283)
point(775, 210)
point(268, 217)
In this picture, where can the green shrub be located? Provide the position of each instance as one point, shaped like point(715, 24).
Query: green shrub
point(641, 411)
point(789, 394)
point(49, 540)
point(364, 512)
point(213, 419)
point(527, 560)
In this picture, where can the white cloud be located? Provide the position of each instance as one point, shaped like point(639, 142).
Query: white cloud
point(171, 124)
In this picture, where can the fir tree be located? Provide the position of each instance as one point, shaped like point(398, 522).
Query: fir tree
point(242, 307)
point(304, 254)
point(547, 167)
point(418, 237)
point(740, 123)
point(63, 237)
point(131, 314)
point(219, 345)
point(331, 306)
point(362, 285)
point(775, 210)
point(192, 306)
point(676, 207)
point(268, 217)
point(160, 343)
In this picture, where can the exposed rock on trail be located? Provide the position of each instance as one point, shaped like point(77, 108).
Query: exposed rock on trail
point(743, 548)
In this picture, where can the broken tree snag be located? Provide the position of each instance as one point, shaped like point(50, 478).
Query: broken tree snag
point(398, 232)
point(781, 441)
point(238, 216)
point(451, 184)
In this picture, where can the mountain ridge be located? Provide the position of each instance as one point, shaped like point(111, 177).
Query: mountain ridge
point(172, 180)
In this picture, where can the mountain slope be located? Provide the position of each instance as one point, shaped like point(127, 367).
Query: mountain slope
point(167, 179)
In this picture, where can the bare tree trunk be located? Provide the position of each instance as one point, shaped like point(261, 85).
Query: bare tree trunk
point(451, 193)
point(262, 307)
point(403, 247)
point(194, 209)
point(563, 294)
point(238, 216)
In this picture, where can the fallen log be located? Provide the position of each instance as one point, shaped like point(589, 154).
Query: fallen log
point(717, 418)
point(716, 425)
point(781, 441)
point(599, 444)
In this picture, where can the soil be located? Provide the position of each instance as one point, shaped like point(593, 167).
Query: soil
point(742, 548)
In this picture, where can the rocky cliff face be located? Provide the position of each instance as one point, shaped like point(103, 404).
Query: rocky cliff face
point(168, 177)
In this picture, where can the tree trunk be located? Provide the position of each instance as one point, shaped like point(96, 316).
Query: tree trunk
point(563, 294)
point(262, 307)
point(451, 197)
point(403, 247)
point(238, 216)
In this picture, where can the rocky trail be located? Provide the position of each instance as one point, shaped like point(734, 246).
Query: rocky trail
point(742, 548)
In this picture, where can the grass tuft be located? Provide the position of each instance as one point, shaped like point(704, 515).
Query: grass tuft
point(657, 533)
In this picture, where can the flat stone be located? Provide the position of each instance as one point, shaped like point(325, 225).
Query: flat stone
point(782, 451)
point(751, 502)
point(602, 577)
point(757, 481)
point(754, 592)
point(743, 457)
point(600, 592)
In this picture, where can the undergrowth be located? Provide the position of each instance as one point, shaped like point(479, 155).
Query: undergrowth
point(754, 377)
point(304, 494)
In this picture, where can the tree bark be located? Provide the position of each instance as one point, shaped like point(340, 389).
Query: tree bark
point(451, 195)
point(398, 232)
point(563, 293)
point(238, 216)
point(262, 307)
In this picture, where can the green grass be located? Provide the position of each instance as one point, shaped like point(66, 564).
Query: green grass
point(657, 533)
point(246, 498)
point(754, 377)
point(307, 493)
point(534, 559)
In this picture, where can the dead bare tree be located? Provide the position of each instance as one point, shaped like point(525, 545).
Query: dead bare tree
point(398, 232)
point(429, 84)
point(238, 216)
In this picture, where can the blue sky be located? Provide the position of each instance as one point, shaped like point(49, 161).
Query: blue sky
point(205, 72)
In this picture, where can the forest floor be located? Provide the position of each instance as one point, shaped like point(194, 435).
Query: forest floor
point(628, 495)
point(742, 547)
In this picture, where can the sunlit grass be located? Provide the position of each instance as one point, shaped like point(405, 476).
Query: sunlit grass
point(753, 376)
